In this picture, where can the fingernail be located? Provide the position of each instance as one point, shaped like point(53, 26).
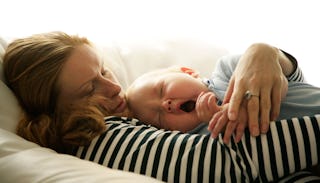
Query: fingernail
point(213, 135)
point(255, 131)
point(264, 128)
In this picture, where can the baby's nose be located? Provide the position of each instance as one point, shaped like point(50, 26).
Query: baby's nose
point(168, 106)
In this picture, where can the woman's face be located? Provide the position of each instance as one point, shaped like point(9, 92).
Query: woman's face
point(83, 76)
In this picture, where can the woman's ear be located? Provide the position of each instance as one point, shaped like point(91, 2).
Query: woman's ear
point(189, 71)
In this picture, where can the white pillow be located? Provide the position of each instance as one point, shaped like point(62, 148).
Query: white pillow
point(10, 110)
point(113, 60)
point(142, 57)
point(23, 161)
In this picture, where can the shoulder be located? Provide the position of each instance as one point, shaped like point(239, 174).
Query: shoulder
point(229, 61)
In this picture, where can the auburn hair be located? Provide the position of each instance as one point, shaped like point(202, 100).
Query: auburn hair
point(32, 66)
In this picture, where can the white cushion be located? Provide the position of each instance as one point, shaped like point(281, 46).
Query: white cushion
point(139, 58)
point(23, 161)
point(10, 110)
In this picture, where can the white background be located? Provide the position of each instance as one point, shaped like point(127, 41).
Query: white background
point(234, 24)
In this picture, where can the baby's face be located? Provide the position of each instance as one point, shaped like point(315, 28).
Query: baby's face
point(166, 100)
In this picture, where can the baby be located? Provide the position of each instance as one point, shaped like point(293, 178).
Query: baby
point(177, 98)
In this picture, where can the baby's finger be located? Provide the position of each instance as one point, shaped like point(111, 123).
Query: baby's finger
point(229, 131)
point(221, 123)
point(214, 120)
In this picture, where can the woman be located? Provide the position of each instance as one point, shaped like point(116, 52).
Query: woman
point(56, 75)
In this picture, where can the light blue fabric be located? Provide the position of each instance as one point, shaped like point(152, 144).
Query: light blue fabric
point(302, 98)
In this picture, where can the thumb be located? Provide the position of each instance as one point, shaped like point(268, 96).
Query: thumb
point(229, 91)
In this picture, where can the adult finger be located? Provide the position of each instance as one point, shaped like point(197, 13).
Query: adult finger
point(276, 99)
point(265, 107)
point(235, 102)
point(229, 91)
point(220, 125)
point(253, 115)
point(242, 124)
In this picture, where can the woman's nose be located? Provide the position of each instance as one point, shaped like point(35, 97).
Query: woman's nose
point(167, 105)
point(110, 88)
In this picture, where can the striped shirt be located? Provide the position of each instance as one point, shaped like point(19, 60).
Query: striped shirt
point(291, 145)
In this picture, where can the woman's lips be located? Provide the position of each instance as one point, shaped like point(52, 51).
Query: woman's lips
point(121, 106)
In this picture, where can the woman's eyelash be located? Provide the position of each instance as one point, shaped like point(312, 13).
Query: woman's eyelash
point(103, 72)
point(93, 88)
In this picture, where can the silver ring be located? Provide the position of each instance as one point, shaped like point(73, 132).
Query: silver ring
point(248, 95)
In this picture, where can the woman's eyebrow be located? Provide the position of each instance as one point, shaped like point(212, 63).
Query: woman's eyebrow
point(90, 80)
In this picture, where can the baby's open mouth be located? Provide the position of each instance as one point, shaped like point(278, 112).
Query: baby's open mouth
point(188, 106)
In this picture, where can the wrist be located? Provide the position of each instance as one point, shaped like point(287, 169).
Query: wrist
point(287, 62)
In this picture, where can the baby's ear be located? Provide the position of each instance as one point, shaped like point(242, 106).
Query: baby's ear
point(189, 71)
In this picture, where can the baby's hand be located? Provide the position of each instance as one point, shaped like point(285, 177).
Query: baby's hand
point(206, 106)
point(220, 122)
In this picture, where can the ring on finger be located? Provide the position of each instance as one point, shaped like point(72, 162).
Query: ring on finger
point(248, 95)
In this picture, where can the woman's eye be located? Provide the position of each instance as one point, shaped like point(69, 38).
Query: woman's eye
point(106, 73)
point(103, 72)
point(92, 89)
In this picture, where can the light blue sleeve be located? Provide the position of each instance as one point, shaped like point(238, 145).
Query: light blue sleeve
point(223, 71)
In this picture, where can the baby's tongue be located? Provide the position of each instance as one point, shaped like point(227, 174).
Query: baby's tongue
point(188, 106)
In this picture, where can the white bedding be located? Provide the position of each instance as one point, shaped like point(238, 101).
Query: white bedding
point(23, 161)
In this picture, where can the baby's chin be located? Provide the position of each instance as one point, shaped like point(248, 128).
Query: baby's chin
point(125, 113)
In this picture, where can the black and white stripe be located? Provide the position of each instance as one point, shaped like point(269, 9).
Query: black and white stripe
point(296, 76)
point(290, 146)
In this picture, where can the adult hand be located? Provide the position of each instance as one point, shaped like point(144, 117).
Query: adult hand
point(259, 72)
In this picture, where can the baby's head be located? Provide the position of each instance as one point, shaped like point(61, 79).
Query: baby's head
point(166, 98)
